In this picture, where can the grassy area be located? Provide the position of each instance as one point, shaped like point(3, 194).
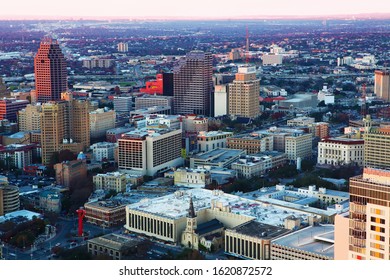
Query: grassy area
point(127, 84)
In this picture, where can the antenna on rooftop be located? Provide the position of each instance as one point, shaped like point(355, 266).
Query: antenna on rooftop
point(247, 46)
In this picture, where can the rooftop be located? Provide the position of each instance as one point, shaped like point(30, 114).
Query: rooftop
point(176, 205)
point(213, 133)
point(344, 141)
point(20, 213)
point(115, 241)
point(104, 204)
point(259, 230)
point(145, 132)
point(251, 136)
point(109, 174)
point(313, 239)
point(218, 155)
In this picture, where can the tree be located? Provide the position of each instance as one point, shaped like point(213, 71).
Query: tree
point(66, 155)
point(321, 104)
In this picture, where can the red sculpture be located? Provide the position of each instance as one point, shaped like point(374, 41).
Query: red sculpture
point(81, 215)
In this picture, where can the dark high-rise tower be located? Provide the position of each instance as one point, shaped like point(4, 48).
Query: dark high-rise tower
point(50, 71)
point(192, 84)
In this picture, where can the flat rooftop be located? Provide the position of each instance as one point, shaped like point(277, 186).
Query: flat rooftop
point(144, 132)
point(250, 136)
point(115, 241)
point(20, 213)
point(213, 133)
point(273, 196)
point(313, 239)
point(259, 230)
point(106, 204)
point(218, 155)
point(175, 206)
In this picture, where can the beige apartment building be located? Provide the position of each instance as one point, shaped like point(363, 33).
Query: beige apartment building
point(30, 118)
point(100, 121)
point(110, 181)
point(212, 140)
point(192, 177)
point(256, 165)
point(243, 97)
point(341, 151)
point(298, 145)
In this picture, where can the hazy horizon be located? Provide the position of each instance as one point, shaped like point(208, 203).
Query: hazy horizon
point(201, 9)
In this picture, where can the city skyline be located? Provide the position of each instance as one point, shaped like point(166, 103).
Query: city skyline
point(173, 9)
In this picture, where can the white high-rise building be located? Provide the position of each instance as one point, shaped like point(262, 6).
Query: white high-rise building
point(148, 152)
point(220, 100)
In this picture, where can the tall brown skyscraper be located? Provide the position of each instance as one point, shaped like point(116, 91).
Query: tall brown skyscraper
point(192, 84)
point(244, 93)
point(50, 71)
point(64, 126)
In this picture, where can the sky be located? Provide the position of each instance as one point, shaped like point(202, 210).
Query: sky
point(187, 8)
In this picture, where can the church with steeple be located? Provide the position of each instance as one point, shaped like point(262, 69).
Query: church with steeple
point(189, 237)
point(207, 234)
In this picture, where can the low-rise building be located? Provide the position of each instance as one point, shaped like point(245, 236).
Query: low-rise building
point(104, 151)
point(113, 135)
point(151, 121)
point(272, 59)
point(166, 217)
point(165, 110)
point(50, 200)
point(112, 245)
point(252, 240)
point(212, 140)
point(321, 130)
point(256, 165)
point(106, 213)
point(311, 243)
point(194, 178)
point(194, 123)
point(122, 103)
point(220, 157)
point(253, 143)
point(301, 121)
point(17, 155)
point(341, 151)
point(110, 181)
point(147, 101)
